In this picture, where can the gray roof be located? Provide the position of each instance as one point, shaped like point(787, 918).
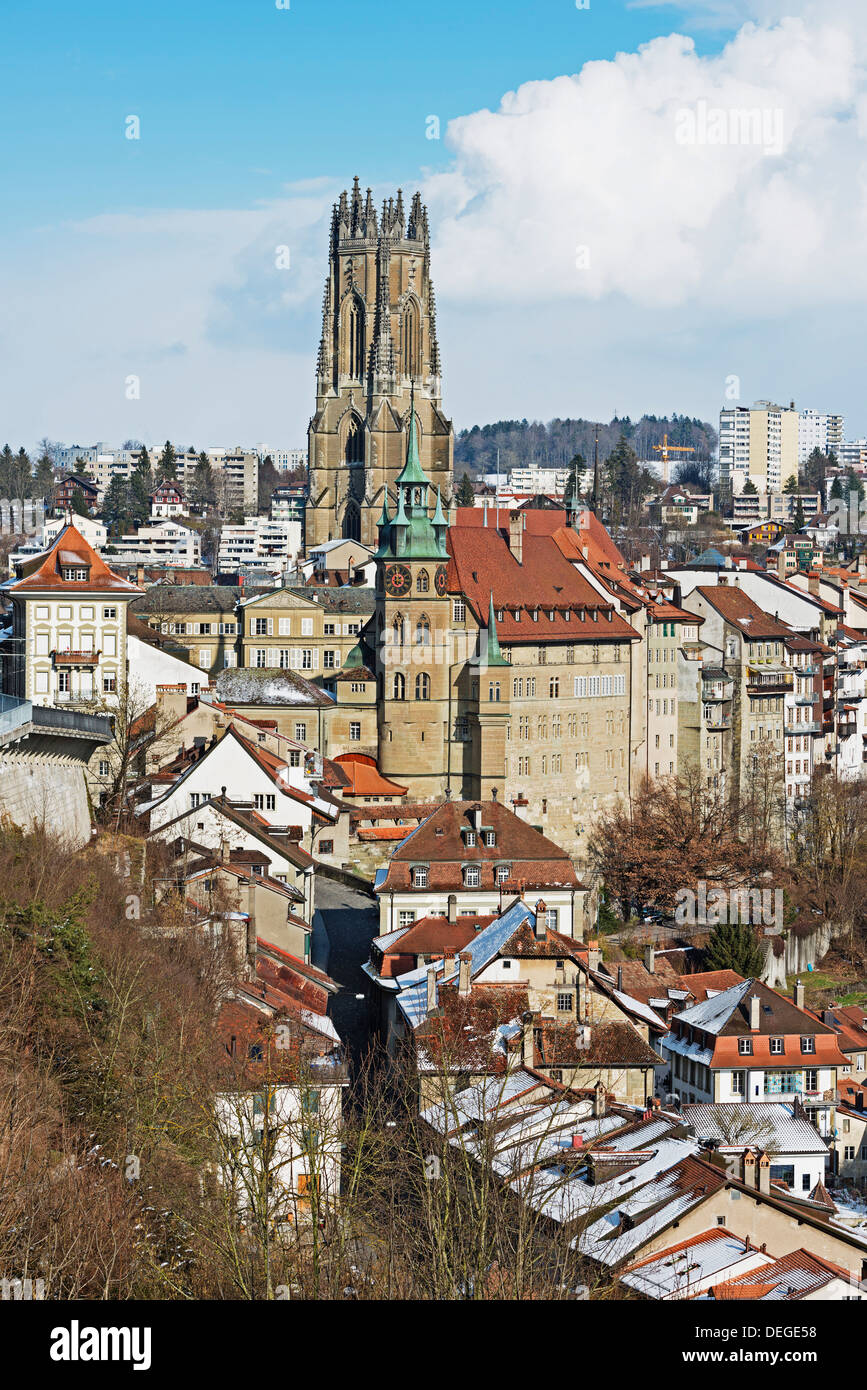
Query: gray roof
point(250, 685)
point(351, 598)
point(187, 598)
point(765, 1125)
point(712, 1014)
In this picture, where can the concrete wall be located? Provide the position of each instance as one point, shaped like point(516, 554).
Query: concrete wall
point(37, 787)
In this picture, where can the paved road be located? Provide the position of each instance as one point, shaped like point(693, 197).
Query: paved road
point(344, 923)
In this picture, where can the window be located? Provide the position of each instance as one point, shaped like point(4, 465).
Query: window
point(489, 837)
point(849, 1152)
point(470, 838)
point(204, 658)
point(564, 1002)
point(301, 733)
point(552, 917)
point(737, 1083)
point(405, 918)
point(422, 686)
point(109, 684)
point(422, 632)
point(260, 627)
point(398, 686)
point(326, 846)
point(422, 583)
point(74, 574)
point(472, 876)
point(264, 802)
point(553, 688)
point(355, 731)
point(459, 610)
point(745, 1047)
point(419, 876)
point(502, 873)
point(329, 660)
point(776, 1045)
point(808, 1044)
point(110, 613)
point(103, 768)
point(811, 1080)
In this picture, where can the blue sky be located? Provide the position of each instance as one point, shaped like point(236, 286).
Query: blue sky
point(156, 256)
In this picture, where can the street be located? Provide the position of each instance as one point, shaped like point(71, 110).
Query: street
point(344, 922)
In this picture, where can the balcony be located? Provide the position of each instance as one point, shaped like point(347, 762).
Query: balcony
point(70, 658)
point(767, 679)
point(813, 726)
point(718, 722)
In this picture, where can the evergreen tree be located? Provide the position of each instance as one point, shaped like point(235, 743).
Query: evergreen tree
point(203, 489)
point(814, 471)
point(790, 485)
point(799, 521)
point(116, 505)
point(854, 483)
point(837, 490)
point(750, 489)
point(43, 483)
point(78, 504)
point(167, 468)
point(465, 497)
point(7, 467)
point(735, 946)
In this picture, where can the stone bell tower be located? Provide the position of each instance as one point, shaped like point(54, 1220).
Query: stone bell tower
point(378, 348)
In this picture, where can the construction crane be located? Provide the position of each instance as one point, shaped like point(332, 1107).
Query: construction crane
point(665, 449)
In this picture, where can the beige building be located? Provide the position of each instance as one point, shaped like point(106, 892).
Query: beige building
point(304, 629)
point(200, 616)
point(69, 642)
point(759, 444)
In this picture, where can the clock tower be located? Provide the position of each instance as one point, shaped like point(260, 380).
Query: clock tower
point(413, 630)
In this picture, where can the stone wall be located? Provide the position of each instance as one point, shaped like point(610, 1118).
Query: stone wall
point(38, 788)
point(793, 952)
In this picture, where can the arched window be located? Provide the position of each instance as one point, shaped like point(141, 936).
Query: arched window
point(353, 324)
point(422, 632)
point(494, 691)
point(354, 452)
point(422, 686)
point(399, 686)
point(409, 340)
point(422, 583)
point(397, 631)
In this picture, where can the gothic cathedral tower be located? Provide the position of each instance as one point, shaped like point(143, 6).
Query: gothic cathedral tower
point(378, 347)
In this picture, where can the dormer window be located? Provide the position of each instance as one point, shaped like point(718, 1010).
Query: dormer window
point(503, 873)
point(75, 573)
point(470, 838)
point(745, 1047)
point(419, 876)
point(472, 876)
point(489, 837)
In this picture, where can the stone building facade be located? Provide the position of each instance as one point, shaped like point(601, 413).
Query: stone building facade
point(378, 350)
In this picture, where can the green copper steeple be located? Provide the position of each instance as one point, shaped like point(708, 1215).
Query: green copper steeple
point(494, 657)
point(411, 533)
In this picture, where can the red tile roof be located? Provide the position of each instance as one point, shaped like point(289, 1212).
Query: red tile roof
point(482, 565)
point(71, 549)
point(365, 779)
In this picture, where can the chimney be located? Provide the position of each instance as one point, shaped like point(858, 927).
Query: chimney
point(764, 1173)
point(452, 910)
point(431, 989)
point(600, 1104)
point(749, 1168)
point(593, 956)
point(464, 973)
point(517, 521)
point(171, 704)
point(528, 1050)
point(539, 928)
point(755, 1012)
point(799, 995)
point(620, 979)
point(649, 960)
point(448, 963)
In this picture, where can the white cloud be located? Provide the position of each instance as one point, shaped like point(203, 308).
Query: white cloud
point(594, 161)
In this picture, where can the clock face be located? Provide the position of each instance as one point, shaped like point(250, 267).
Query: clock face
point(440, 579)
point(398, 579)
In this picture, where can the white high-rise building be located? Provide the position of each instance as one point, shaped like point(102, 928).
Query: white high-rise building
point(758, 443)
point(818, 431)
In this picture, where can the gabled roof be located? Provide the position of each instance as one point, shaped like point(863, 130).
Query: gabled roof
point(287, 849)
point(742, 612)
point(71, 549)
point(482, 565)
point(363, 777)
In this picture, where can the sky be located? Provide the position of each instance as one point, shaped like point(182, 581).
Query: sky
point(610, 233)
